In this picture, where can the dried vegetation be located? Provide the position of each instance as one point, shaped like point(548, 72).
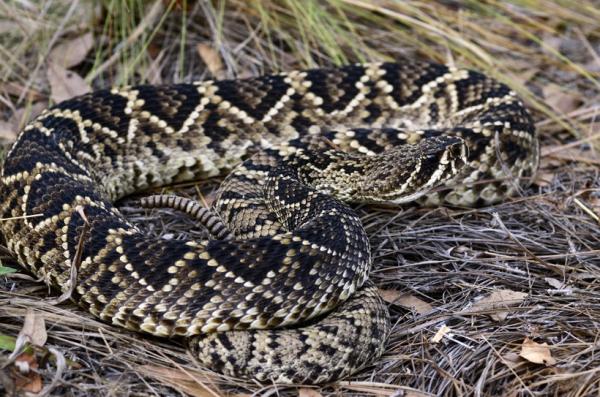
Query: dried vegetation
point(493, 301)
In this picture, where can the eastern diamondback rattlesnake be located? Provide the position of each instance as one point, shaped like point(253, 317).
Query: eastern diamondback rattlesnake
point(289, 250)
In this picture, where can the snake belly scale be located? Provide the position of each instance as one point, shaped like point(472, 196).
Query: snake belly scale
point(286, 296)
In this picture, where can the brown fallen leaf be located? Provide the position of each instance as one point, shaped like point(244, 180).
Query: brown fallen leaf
point(65, 84)
point(72, 52)
point(306, 392)
point(511, 359)
point(405, 300)
point(561, 100)
point(212, 59)
point(499, 299)
point(538, 353)
point(23, 370)
point(189, 382)
point(24, 375)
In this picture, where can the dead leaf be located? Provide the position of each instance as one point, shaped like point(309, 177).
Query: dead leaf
point(439, 335)
point(499, 299)
point(561, 100)
point(407, 301)
point(72, 52)
point(212, 59)
point(65, 84)
point(24, 374)
point(537, 353)
point(511, 359)
point(191, 382)
point(306, 392)
point(23, 369)
point(34, 329)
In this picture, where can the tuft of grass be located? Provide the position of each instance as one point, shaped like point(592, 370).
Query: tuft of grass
point(128, 29)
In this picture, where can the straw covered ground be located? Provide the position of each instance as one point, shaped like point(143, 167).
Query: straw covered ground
point(502, 300)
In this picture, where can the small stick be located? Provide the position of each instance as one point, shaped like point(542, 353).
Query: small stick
point(76, 262)
point(587, 210)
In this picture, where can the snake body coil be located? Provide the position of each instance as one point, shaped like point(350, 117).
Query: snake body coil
point(254, 303)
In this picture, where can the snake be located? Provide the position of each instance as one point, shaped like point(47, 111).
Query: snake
point(280, 292)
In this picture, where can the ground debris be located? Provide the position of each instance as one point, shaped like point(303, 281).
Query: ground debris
point(498, 303)
point(538, 353)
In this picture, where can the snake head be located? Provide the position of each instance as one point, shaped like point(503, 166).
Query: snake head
point(406, 173)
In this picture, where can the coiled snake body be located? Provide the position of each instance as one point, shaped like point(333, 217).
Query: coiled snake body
point(255, 303)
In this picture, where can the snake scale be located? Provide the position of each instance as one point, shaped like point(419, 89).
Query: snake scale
point(283, 294)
